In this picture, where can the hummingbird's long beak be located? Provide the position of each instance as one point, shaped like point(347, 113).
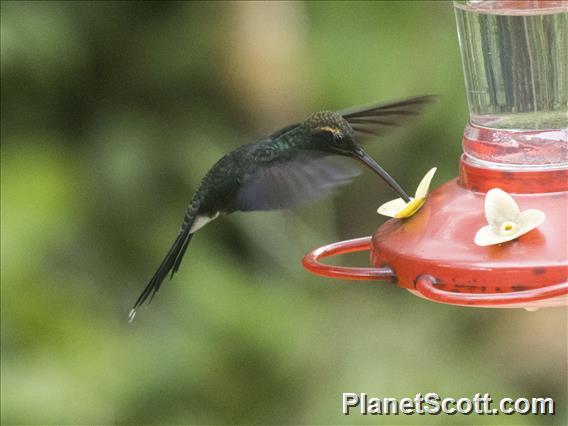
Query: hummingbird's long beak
point(372, 164)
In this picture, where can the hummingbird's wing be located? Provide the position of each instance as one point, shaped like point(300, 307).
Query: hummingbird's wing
point(374, 120)
point(285, 182)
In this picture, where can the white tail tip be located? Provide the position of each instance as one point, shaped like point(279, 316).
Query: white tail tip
point(131, 315)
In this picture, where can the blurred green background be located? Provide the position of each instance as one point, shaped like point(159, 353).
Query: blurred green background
point(112, 112)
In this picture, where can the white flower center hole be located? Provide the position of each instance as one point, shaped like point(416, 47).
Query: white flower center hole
point(508, 228)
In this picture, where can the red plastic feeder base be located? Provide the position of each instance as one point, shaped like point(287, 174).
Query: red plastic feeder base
point(432, 254)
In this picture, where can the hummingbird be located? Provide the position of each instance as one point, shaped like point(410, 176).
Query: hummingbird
point(292, 165)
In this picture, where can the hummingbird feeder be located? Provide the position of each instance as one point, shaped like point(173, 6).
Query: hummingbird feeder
point(514, 56)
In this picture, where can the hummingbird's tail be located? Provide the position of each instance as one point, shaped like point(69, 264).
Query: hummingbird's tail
point(171, 262)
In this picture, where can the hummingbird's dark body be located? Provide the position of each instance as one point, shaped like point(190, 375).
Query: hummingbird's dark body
point(294, 164)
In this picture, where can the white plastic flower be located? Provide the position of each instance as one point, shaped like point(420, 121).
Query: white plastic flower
point(506, 221)
point(400, 209)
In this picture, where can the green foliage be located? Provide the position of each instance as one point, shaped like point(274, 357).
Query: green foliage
point(112, 112)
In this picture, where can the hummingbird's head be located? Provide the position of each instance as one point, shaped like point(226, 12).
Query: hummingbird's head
point(331, 133)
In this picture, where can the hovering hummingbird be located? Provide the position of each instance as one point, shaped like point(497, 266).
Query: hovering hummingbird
point(292, 165)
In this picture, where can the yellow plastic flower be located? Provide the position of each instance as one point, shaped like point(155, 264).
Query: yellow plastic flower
point(506, 221)
point(400, 209)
